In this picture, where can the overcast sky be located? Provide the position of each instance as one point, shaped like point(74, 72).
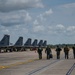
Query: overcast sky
point(51, 20)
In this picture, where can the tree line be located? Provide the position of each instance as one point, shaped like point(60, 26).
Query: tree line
point(61, 45)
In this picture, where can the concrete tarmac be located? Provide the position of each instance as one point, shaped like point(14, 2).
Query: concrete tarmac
point(27, 63)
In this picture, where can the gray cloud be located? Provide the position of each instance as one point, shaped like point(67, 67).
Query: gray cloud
point(10, 23)
point(15, 18)
point(10, 5)
point(70, 5)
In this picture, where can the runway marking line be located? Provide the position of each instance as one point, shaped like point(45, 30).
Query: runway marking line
point(16, 64)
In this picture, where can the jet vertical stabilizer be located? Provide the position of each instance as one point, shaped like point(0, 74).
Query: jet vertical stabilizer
point(34, 44)
point(5, 41)
point(19, 42)
point(28, 42)
point(45, 43)
point(40, 43)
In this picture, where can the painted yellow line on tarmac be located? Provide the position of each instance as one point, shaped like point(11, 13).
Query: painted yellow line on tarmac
point(18, 63)
point(2, 67)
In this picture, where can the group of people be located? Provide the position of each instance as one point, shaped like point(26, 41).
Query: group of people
point(58, 50)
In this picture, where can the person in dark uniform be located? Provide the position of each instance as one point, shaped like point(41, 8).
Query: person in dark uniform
point(73, 50)
point(40, 52)
point(66, 51)
point(48, 51)
point(58, 49)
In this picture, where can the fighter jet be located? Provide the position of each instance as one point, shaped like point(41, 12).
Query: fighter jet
point(34, 44)
point(4, 43)
point(45, 43)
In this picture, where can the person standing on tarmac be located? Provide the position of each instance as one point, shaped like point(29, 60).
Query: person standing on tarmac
point(58, 49)
point(66, 51)
point(40, 52)
point(48, 51)
point(73, 50)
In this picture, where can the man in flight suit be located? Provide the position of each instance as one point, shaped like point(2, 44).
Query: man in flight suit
point(48, 51)
point(66, 51)
point(40, 52)
point(58, 49)
point(73, 50)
